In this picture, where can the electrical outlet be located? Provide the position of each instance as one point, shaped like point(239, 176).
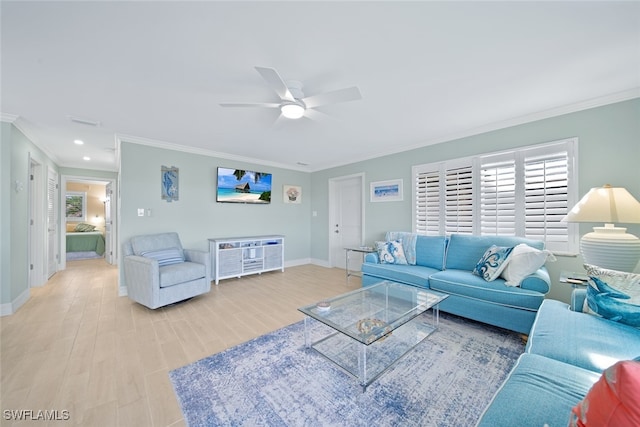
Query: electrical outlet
point(140, 211)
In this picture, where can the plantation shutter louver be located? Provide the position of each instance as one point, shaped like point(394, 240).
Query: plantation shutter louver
point(498, 198)
point(459, 200)
point(428, 203)
point(546, 198)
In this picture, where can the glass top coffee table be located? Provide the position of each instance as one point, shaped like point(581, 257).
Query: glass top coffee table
point(373, 327)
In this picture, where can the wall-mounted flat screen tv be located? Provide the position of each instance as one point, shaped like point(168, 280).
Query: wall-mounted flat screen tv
point(243, 186)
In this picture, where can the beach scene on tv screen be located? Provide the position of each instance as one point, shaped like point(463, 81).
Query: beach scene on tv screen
point(242, 186)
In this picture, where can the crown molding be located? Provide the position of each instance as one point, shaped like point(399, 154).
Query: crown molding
point(200, 151)
point(8, 118)
point(602, 101)
point(23, 126)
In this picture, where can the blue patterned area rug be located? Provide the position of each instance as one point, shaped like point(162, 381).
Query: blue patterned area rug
point(447, 380)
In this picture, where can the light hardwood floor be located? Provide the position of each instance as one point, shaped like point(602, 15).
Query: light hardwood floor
point(77, 346)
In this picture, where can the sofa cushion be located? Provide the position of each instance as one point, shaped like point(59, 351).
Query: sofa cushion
point(494, 260)
point(583, 340)
point(391, 252)
point(464, 251)
point(465, 283)
point(430, 251)
point(524, 260)
point(539, 391)
point(180, 273)
point(410, 274)
point(613, 399)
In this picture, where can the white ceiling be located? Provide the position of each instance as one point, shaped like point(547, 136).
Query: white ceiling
point(428, 72)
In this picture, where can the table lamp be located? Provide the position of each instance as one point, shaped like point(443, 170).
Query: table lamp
point(609, 246)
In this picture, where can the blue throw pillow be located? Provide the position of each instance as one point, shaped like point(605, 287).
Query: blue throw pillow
point(391, 252)
point(609, 303)
point(492, 262)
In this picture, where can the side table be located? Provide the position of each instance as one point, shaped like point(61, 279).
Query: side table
point(576, 280)
point(360, 249)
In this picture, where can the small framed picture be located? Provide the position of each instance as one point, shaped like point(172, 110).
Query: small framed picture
point(169, 177)
point(386, 191)
point(292, 194)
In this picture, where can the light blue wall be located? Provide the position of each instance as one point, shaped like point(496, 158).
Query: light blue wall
point(15, 153)
point(196, 216)
point(609, 152)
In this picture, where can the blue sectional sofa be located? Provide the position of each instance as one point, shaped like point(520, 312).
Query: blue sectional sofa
point(445, 264)
point(565, 355)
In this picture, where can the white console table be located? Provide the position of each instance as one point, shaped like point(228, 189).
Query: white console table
point(239, 256)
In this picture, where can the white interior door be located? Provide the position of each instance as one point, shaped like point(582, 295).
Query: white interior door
point(52, 223)
point(346, 227)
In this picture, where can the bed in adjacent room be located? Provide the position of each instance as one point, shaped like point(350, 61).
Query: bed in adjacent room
point(85, 244)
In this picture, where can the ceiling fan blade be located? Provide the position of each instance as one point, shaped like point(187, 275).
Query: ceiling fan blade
point(272, 77)
point(317, 116)
point(253, 104)
point(333, 97)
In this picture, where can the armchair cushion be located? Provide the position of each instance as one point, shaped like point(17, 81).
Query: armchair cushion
point(165, 256)
point(174, 274)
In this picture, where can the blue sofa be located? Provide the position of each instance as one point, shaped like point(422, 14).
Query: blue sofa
point(565, 355)
point(446, 264)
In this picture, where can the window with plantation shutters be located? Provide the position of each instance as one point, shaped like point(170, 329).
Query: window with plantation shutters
point(498, 198)
point(546, 198)
point(524, 192)
point(427, 202)
point(458, 200)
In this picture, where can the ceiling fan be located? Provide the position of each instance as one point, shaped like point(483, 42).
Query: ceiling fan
point(293, 104)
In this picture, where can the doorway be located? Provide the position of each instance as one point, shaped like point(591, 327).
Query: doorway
point(346, 218)
point(95, 198)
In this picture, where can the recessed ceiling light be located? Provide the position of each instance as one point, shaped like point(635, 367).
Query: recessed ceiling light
point(78, 142)
point(87, 158)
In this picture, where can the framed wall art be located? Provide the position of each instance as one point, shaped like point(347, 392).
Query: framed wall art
point(386, 191)
point(292, 194)
point(169, 182)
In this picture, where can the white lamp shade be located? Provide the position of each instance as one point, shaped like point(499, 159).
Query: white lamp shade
point(609, 246)
point(606, 204)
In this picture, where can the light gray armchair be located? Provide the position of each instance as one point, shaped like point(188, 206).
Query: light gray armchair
point(158, 271)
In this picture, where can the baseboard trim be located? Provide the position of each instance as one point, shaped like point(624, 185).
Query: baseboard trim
point(9, 308)
point(320, 262)
point(296, 262)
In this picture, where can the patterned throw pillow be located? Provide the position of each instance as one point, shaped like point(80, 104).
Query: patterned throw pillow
point(165, 256)
point(82, 227)
point(492, 262)
point(611, 304)
point(612, 400)
point(391, 252)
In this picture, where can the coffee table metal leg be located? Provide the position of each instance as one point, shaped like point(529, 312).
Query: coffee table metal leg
point(362, 364)
point(307, 340)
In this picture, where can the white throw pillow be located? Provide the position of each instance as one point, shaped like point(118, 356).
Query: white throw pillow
point(524, 260)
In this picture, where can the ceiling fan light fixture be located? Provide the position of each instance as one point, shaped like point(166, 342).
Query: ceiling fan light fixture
point(292, 110)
